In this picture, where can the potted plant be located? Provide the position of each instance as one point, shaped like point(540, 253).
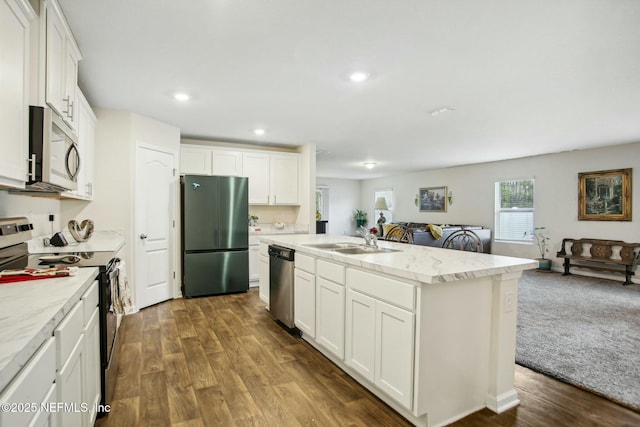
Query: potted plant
point(542, 240)
point(253, 220)
point(360, 216)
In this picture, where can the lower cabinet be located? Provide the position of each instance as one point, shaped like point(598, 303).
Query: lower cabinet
point(363, 318)
point(380, 344)
point(305, 302)
point(33, 385)
point(360, 333)
point(264, 274)
point(92, 367)
point(330, 316)
point(70, 385)
point(254, 264)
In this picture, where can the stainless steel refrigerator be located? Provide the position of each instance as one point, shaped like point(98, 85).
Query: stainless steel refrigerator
point(215, 235)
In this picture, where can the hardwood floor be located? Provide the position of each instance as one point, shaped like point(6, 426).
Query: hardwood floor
point(222, 361)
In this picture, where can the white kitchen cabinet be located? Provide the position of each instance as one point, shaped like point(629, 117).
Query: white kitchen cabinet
point(273, 178)
point(226, 162)
point(86, 147)
point(305, 302)
point(91, 331)
point(360, 333)
point(256, 167)
point(62, 56)
point(284, 179)
point(264, 273)
point(254, 264)
point(205, 160)
point(32, 385)
point(78, 360)
point(330, 300)
point(195, 160)
point(92, 367)
point(15, 17)
point(380, 332)
point(394, 352)
point(70, 384)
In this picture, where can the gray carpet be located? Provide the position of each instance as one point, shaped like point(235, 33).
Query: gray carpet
point(582, 330)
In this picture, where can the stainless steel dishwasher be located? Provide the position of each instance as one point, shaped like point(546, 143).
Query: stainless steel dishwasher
point(281, 265)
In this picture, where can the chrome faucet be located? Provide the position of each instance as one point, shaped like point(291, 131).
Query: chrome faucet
point(369, 238)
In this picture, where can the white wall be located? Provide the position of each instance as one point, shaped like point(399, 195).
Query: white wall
point(36, 209)
point(556, 195)
point(113, 207)
point(344, 198)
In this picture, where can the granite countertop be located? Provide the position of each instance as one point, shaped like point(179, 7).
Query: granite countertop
point(101, 241)
point(414, 262)
point(29, 312)
point(262, 229)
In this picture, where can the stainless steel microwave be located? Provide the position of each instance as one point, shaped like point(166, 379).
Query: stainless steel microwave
point(54, 160)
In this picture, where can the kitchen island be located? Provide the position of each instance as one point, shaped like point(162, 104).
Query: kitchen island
point(430, 331)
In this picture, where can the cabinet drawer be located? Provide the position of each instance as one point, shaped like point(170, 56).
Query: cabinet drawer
point(331, 271)
point(306, 263)
point(383, 288)
point(90, 301)
point(68, 332)
point(31, 385)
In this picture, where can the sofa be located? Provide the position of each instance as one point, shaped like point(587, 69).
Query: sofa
point(420, 234)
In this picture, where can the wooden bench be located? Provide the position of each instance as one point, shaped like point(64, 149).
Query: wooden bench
point(623, 260)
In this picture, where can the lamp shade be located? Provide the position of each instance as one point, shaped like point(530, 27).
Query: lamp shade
point(381, 204)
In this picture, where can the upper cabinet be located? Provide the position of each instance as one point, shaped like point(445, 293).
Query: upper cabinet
point(256, 168)
point(273, 176)
point(15, 17)
point(86, 146)
point(62, 56)
point(200, 160)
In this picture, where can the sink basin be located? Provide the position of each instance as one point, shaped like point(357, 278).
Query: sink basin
point(358, 250)
point(339, 245)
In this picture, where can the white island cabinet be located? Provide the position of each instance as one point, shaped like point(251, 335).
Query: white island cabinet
point(430, 331)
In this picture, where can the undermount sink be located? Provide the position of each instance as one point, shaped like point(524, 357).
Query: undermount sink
point(339, 245)
point(358, 250)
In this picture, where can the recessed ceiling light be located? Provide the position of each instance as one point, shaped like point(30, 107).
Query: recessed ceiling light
point(259, 131)
point(439, 111)
point(181, 96)
point(369, 165)
point(358, 76)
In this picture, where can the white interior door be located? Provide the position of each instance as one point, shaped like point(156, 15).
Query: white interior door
point(154, 207)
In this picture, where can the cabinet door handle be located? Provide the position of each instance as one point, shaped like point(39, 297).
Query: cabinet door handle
point(66, 112)
point(71, 110)
point(143, 236)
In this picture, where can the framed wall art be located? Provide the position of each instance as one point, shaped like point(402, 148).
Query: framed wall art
point(604, 195)
point(432, 199)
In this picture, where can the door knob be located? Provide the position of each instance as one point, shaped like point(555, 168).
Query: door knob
point(143, 236)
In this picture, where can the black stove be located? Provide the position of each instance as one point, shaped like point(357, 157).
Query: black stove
point(87, 259)
point(15, 232)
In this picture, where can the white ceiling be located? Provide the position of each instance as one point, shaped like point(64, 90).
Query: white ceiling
point(524, 77)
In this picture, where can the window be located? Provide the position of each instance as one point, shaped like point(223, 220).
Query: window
point(322, 203)
point(514, 209)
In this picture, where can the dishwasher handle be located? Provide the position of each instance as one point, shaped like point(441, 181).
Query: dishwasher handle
point(281, 252)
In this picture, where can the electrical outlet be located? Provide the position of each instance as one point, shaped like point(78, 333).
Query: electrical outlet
point(52, 217)
point(508, 302)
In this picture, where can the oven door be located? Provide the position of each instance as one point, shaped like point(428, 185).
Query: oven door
point(109, 332)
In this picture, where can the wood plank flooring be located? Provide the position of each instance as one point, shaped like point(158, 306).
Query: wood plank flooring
point(222, 361)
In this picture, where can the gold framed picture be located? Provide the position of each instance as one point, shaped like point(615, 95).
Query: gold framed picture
point(432, 199)
point(604, 195)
